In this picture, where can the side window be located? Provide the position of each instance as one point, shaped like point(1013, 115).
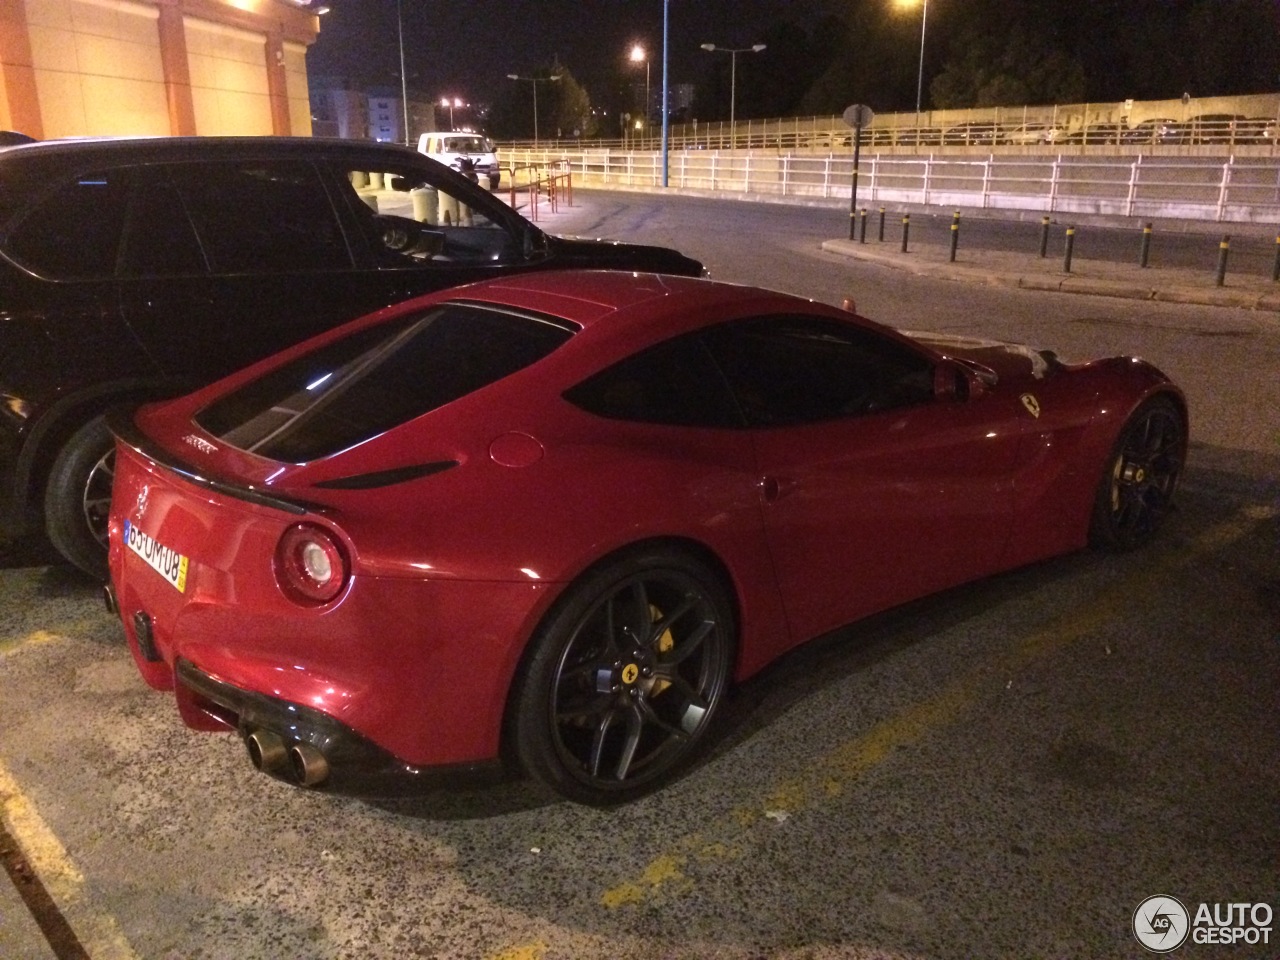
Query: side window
point(675, 383)
point(796, 370)
point(411, 221)
point(268, 216)
point(75, 233)
point(160, 240)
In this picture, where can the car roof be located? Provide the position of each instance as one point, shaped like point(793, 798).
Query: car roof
point(588, 297)
point(114, 150)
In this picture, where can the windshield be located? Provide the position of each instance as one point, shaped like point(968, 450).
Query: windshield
point(465, 145)
point(356, 388)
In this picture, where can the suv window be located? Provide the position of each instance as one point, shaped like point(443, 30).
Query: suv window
point(261, 216)
point(74, 234)
point(160, 239)
point(414, 223)
point(358, 387)
point(795, 370)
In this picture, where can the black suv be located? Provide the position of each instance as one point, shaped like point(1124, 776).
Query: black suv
point(137, 269)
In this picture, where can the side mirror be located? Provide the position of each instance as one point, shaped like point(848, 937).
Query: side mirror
point(956, 380)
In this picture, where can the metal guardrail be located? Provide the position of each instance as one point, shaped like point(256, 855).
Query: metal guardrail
point(1231, 189)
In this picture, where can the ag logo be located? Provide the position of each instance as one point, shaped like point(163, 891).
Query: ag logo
point(1161, 924)
point(1032, 405)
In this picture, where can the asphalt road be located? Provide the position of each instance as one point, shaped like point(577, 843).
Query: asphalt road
point(1006, 770)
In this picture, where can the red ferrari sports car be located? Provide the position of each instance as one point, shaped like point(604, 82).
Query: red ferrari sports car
point(552, 518)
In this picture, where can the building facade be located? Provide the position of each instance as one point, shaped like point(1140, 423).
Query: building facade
point(73, 68)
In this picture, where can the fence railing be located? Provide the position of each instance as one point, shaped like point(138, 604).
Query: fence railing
point(536, 182)
point(1235, 189)
point(1248, 123)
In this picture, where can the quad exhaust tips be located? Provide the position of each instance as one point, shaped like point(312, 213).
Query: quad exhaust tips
point(300, 762)
point(266, 751)
point(308, 765)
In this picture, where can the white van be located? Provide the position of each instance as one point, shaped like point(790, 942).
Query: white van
point(452, 148)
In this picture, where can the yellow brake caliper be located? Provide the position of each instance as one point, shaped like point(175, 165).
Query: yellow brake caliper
point(665, 643)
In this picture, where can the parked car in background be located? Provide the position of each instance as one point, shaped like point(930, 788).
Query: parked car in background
point(1156, 132)
point(1256, 130)
point(1032, 133)
point(971, 134)
point(463, 152)
point(554, 517)
point(136, 269)
point(1096, 135)
point(1216, 128)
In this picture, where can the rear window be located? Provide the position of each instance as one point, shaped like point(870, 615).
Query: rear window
point(365, 384)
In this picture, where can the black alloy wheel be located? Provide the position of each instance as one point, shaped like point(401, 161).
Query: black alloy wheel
point(78, 497)
point(1136, 491)
point(624, 678)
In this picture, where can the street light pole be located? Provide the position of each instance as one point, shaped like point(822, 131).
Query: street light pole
point(637, 54)
point(733, 75)
point(924, 22)
point(404, 77)
point(535, 81)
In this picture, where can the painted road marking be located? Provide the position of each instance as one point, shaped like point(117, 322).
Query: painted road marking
point(93, 934)
point(725, 839)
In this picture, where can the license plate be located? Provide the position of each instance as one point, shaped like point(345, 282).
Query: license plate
point(163, 560)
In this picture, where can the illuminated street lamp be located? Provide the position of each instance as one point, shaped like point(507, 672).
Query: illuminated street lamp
point(637, 55)
point(733, 71)
point(924, 20)
point(455, 102)
point(535, 81)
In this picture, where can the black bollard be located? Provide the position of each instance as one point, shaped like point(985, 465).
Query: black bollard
point(1221, 277)
point(955, 235)
point(862, 230)
point(1044, 236)
point(882, 224)
point(1146, 246)
point(1275, 267)
point(1066, 253)
point(906, 229)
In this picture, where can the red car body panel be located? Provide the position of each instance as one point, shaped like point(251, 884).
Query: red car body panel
point(813, 526)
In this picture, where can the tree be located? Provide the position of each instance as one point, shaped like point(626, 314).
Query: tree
point(992, 68)
point(570, 114)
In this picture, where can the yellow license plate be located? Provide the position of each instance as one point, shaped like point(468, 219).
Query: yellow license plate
point(163, 560)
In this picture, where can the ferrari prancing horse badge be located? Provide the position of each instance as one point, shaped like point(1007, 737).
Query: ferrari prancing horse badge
point(1032, 405)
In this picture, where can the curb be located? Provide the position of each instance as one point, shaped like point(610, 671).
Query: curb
point(1264, 300)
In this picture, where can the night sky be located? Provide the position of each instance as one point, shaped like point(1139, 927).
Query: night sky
point(822, 55)
point(466, 49)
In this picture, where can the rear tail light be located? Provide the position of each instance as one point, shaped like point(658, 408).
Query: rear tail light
point(311, 566)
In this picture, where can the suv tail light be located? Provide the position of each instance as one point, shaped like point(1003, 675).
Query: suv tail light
point(311, 566)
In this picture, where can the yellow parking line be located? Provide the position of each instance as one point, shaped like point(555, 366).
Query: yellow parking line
point(98, 933)
point(724, 838)
point(528, 951)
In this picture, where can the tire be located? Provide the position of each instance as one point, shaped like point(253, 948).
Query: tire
point(77, 499)
point(1136, 489)
point(623, 678)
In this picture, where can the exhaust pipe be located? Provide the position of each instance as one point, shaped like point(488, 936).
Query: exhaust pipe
point(266, 750)
point(308, 764)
